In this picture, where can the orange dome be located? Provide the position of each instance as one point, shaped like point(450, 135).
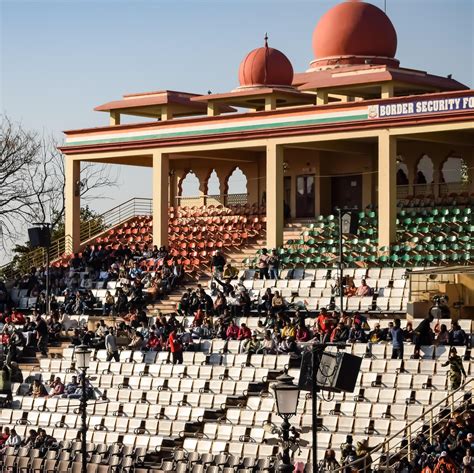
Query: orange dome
point(265, 66)
point(354, 28)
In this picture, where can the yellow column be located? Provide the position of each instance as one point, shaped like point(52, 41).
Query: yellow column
point(213, 109)
point(322, 97)
point(270, 103)
point(72, 197)
point(114, 118)
point(166, 113)
point(387, 189)
point(387, 91)
point(160, 198)
point(274, 195)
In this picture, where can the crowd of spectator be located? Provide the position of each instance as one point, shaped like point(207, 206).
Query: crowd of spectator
point(144, 275)
point(36, 439)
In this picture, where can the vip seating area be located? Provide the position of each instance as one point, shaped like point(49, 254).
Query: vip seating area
point(431, 236)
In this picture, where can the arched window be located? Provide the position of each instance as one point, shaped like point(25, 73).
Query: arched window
point(237, 182)
point(213, 184)
point(402, 174)
point(424, 170)
point(454, 170)
point(190, 185)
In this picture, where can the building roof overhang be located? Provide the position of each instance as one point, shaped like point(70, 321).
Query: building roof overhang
point(358, 78)
point(151, 104)
point(254, 97)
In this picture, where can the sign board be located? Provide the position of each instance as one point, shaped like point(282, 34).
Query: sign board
point(421, 107)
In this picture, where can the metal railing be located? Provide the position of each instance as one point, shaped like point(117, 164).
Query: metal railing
point(203, 200)
point(398, 447)
point(446, 188)
point(91, 229)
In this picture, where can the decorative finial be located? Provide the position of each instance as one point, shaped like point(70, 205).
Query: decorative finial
point(266, 40)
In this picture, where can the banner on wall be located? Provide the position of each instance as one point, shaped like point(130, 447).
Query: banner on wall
point(421, 107)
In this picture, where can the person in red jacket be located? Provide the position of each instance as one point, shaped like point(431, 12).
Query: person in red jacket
point(445, 464)
point(244, 333)
point(232, 331)
point(176, 348)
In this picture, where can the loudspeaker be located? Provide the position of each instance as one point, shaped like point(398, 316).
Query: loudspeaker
point(338, 372)
point(39, 237)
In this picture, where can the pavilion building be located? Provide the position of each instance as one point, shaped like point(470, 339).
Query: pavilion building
point(355, 129)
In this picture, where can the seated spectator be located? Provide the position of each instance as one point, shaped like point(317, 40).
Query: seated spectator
point(137, 342)
point(356, 334)
point(302, 333)
point(72, 386)
point(363, 290)
point(288, 330)
point(443, 335)
point(268, 345)
point(232, 331)
point(408, 332)
point(288, 345)
point(278, 303)
point(244, 332)
point(350, 290)
point(57, 388)
point(31, 439)
point(14, 440)
point(37, 389)
point(457, 336)
point(4, 436)
point(230, 272)
point(376, 335)
point(253, 345)
point(445, 464)
point(340, 333)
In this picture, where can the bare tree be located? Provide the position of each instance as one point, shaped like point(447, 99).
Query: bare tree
point(32, 180)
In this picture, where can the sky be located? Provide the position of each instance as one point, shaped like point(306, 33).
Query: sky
point(61, 58)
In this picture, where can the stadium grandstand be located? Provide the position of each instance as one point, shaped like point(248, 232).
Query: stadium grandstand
point(169, 334)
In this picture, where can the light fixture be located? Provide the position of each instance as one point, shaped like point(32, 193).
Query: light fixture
point(286, 395)
point(82, 354)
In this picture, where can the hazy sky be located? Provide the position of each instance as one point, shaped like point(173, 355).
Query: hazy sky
point(59, 59)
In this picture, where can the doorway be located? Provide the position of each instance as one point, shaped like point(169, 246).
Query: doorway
point(305, 196)
point(346, 191)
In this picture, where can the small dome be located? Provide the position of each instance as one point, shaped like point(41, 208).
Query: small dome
point(354, 28)
point(265, 66)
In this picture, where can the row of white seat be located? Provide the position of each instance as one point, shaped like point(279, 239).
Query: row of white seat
point(166, 371)
point(295, 284)
point(357, 273)
point(122, 384)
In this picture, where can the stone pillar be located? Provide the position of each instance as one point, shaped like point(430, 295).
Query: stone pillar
point(160, 198)
point(114, 118)
point(72, 194)
point(275, 154)
point(387, 91)
point(387, 193)
point(322, 97)
point(270, 103)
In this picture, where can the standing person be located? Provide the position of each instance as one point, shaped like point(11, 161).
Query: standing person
point(423, 334)
point(456, 369)
point(263, 264)
point(176, 348)
point(397, 340)
point(6, 383)
point(42, 335)
point(273, 265)
point(218, 263)
point(111, 346)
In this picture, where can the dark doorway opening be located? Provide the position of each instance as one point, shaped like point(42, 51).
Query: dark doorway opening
point(305, 196)
point(346, 191)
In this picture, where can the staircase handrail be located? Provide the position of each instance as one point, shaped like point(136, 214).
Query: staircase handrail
point(110, 218)
point(407, 430)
